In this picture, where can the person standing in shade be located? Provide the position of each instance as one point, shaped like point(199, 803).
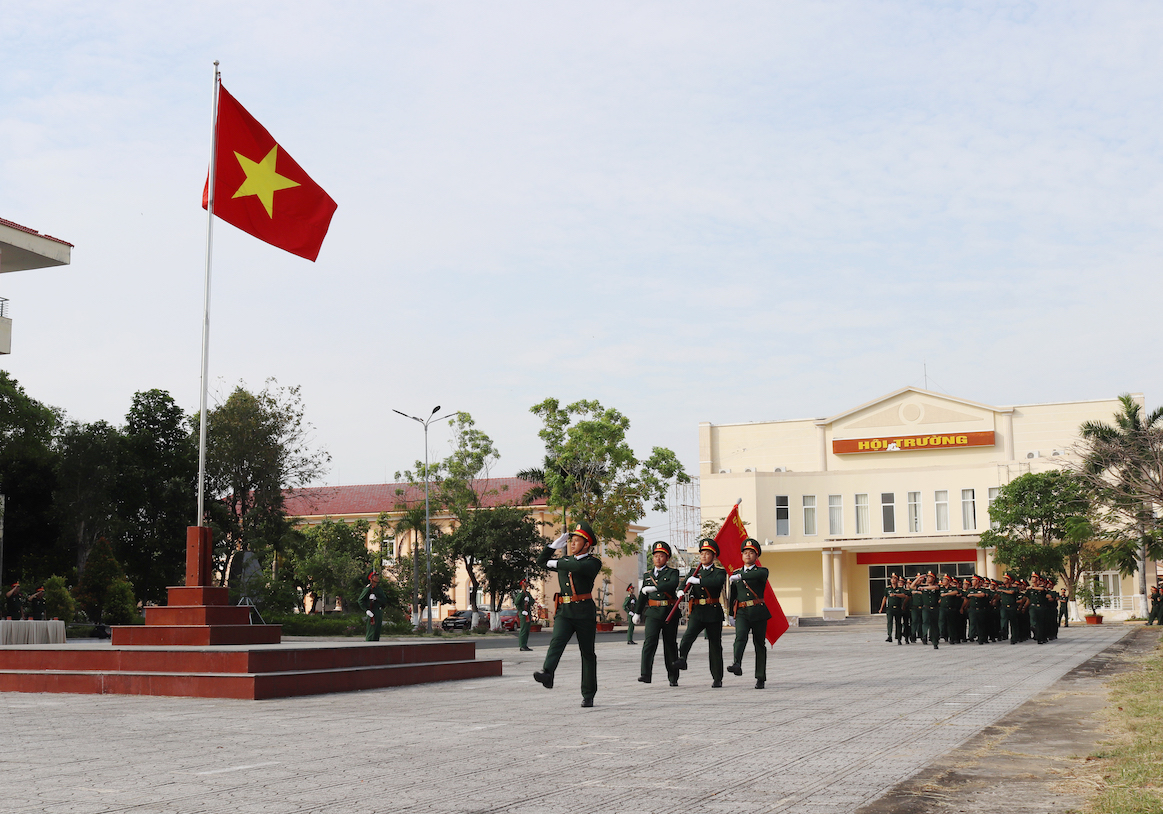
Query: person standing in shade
point(576, 572)
point(630, 608)
point(372, 602)
point(523, 602)
point(36, 608)
point(1064, 608)
point(660, 592)
point(704, 590)
point(751, 613)
point(1156, 597)
point(14, 602)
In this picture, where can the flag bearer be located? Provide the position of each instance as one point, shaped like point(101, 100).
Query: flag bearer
point(751, 614)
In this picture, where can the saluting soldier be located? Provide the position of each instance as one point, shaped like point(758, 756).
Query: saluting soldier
point(659, 594)
point(949, 609)
point(372, 602)
point(704, 590)
point(36, 608)
point(978, 611)
point(630, 608)
point(932, 602)
point(750, 612)
point(523, 602)
point(916, 608)
point(578, 615)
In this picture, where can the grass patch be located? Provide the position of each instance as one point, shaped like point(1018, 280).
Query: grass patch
point(1132, 769)
point(334, 624)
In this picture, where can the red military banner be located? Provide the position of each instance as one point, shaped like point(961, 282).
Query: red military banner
point(730, 541)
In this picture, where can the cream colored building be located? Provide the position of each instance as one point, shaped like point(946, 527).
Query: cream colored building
point(901, 484)
point(22, 249)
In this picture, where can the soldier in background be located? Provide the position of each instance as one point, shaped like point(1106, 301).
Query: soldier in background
point(1156, 597)
point(630, 608)
point(750, 612)
point(523, 602)
point(372, 602)
point(14, 602)
point(36, 605)
point(704, 590)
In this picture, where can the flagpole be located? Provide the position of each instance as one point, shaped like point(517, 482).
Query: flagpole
point(200, 520)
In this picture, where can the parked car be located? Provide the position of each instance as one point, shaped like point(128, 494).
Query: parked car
point(461, 620)
point(509, 619)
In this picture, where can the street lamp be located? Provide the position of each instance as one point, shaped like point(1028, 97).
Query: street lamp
point(427, 516)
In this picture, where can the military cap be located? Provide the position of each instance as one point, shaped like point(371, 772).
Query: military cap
point(751, 543)
point(583, 529)
point(707, 544)
point(661, 547)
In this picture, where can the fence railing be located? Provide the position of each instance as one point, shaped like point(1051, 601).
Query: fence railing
point(3, 307)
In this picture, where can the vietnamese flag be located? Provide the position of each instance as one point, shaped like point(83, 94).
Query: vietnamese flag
point(260, 189)
point(730, 541)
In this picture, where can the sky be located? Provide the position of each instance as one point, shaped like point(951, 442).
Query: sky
point(687, 211)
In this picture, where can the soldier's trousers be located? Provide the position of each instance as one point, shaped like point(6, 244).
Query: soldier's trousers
point(658, 628)
point(373, 627)
point(950, 620)
point(932, 632)
point(896, 617)
point(756, 629)
point(1009, 624)
point(630, 630)
point(977, 626)
point(918, 625)
point(714, 629)
point(1038, 623)
point(523, 632)
point(586, 631)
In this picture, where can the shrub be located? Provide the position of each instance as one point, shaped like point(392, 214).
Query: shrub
point(58, 602)
point(120, 604)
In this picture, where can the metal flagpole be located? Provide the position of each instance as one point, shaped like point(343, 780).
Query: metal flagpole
point(200, 520)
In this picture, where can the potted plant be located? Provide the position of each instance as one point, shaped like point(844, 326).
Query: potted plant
point(1090, 593)
point(608, 621)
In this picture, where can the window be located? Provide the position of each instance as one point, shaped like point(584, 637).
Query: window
point(968, 510)
point(782, 516)
point(809, 514)
point(941, 507)
point(914, 512)
point(862, 514)
point(888, 512)
point(835, 515)
point(994, 491)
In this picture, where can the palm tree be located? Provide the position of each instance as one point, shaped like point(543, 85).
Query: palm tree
point(413, 520)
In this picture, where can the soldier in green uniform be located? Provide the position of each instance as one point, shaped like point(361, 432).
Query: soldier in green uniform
point(932, 602)
point(523, 602)
point(1007, 594)
point(14, 602)
point(949, 610)
point(979, 599)
point(630, 608)
point(578, 616)
point(751, 614)
point(893, 605)
point(704, 589)
point(36, 605)
point(916, 608)
point(1156, 597)
point(659, 594)
point(372, 602)
point(1064, 607)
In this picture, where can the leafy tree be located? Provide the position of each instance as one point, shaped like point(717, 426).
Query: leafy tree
point(120, 604)
point(28, 481)
point(257, 446)
point(1123, 465)
point(86, 498)
point(413, 523)
point(58, 602)
point(334, 559)
point(594, 473)
point(1042, 525)
point(443, 571)
point(501, 545)
point(100, 572)
point(156, 492)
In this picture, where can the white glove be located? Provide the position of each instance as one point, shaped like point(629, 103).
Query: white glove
point(649, 589)
point(560, 542)
point(370, 615)
point(637, 619)
point(730, 621)
point(736, 577)
point(524, 613)
point(693, 581)
point(680, 593)
point(372, 597)
point(551, 564)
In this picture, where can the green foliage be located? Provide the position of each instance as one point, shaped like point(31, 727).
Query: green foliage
point(333, 558)
point(86, 499)
point(100, 572)
point(443, 572)
point(58, 602)
point(499, 547)
point(337, 624)
point(592, 472)
point(1091, 593)
point(120, 604)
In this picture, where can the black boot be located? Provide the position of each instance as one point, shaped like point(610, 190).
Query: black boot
point(680, 662)
point(545, 679)
point(736, 668)
point(759, 683)
point(644, 679)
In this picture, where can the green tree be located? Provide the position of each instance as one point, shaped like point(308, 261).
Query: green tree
point(595, 474)
point(504, 543)
point(1042, 525)
point(443, 572)
point(1123, 465)
point(101, 570)
point(257, 446)
point(58, 602)
point(334, 559)
point(28, 482)
point(88, 467)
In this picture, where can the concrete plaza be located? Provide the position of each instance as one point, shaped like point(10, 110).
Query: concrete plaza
point(845, 716)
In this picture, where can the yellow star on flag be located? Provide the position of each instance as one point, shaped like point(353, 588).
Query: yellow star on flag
point(262, 180)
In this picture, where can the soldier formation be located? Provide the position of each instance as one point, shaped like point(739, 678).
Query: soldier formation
point(17, 605)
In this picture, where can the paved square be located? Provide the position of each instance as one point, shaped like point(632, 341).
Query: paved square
point(844, 717)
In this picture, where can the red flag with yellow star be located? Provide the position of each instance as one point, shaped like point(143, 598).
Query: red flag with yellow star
point(260, 189)
point(729, 539)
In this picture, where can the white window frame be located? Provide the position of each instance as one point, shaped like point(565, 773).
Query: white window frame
point(939, 523)
point(809, 502)
point(969, 510)
point(835, 515)
point(862, 513)
point(888, 513)
point(994, 491)
point(913, 500)
point(785, 531)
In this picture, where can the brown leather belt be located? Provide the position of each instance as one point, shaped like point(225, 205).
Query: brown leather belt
point(705, 602)
point(659, 603)
point(578, 598)
point(747, 603)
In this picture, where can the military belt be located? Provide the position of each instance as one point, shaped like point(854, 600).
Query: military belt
point(659, 603)
point(712, 601)
point(578, 598)
point(747, 603)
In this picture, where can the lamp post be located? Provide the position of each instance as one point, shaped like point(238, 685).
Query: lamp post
point(427, 515)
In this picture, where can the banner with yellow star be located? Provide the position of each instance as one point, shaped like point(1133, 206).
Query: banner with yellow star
point(260, 189)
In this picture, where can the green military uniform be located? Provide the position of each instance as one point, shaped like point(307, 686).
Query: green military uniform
point(630, 607)
point(979, 599)
point(1007, 596)
point(1064, 609)
point(36, 608)
point(895, 602)
point(372, 602)
point(704, 589)
point(932, 603)
point(578, 615)
point(14, 602)
point(523, 602)
point(654, 606)
point(949, 613)
point(1156, 597)
point(751, 614)
point(916, 613)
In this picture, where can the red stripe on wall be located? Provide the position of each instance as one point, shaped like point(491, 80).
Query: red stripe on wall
point(909, 557)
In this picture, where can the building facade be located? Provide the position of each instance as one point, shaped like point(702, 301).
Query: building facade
point(901, 485)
